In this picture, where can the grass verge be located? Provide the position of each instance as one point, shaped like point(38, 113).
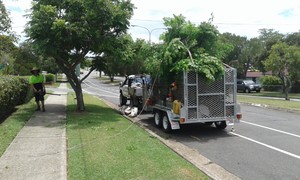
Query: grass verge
point(273, 94)
point(275, 103)
point(14, 123)
point(102, 144)
point(11, 126)
point(107, 80)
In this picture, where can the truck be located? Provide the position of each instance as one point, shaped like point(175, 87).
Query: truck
point(189, 99)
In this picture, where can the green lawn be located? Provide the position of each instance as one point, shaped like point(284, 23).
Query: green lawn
point(14, 123)
point(106, 80)
point(282, 104)
point(272, 94)
point(102, 144)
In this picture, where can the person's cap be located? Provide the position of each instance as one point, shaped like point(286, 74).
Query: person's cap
point(35, 69)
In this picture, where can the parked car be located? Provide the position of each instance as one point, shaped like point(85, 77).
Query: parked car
point(247, 86)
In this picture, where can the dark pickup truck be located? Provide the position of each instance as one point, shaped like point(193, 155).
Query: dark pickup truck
point(247, 86)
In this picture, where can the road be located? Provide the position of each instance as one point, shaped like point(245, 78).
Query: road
point(264, 145)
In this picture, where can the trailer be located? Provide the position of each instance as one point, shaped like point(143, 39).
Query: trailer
point(189, 99)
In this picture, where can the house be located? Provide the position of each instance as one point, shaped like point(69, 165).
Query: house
point(254, 75)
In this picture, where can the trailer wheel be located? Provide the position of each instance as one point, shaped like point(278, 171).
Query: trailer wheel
point(157, 119)
point(221, 124)
point(166, 124)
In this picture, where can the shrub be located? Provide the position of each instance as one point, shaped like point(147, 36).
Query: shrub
point(49, 78)
point(13, 91)
point(271, 83)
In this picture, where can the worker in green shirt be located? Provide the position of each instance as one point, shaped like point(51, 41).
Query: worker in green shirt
point(37, 84)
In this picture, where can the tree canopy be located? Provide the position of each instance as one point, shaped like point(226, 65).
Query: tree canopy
point(70, 29)
point(5, 21)
point(284, 60)
point(188, 47)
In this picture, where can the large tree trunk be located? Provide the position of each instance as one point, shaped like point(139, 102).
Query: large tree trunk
point(79, 98)
point(76, 86)
point(285, 85)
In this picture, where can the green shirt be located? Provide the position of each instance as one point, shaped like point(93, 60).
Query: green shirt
point(36, 79)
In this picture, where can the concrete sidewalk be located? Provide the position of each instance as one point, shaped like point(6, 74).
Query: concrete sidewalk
point(39, 150)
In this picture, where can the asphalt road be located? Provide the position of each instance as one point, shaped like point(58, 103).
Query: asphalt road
point(264, 145)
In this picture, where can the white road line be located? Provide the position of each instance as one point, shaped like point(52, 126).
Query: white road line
point(268, 146)
point(100, 89)
point(283, 132)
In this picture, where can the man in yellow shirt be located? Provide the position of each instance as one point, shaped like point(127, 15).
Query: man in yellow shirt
point(37, 84)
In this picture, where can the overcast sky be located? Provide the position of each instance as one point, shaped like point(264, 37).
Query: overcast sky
point(241, 17)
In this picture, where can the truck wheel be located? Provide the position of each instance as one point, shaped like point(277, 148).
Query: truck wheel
point(157, 120)
point(123, 99)
point(247, 90)
point(221, 124)
point(166, 124)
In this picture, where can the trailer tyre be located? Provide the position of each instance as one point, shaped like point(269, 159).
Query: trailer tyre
point(221, 124)
point(157, 120)
point(166, 124)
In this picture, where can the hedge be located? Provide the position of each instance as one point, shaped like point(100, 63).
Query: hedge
point(50, 78)
point(13, 91)
point(271, 83)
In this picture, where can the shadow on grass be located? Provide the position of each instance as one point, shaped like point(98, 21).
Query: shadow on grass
point(5, 116)
point(93, 116)
point(20, 113)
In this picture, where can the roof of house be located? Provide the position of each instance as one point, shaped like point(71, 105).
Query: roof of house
point(257, 74)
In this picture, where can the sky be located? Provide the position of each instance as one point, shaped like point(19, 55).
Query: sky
point(240, 17)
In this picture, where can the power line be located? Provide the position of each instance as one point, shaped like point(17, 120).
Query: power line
point(227, 23)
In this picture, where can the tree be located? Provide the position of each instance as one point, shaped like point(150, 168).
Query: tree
point(25, 59)
point(5, 22)
point(8, 52)
point(187, 47)
point(250, 55)
point(293, 39)
point(6, 42)
point(268, 38)
point(119, 60)
point(284, 60)
point(237, 45)
point(68, 30)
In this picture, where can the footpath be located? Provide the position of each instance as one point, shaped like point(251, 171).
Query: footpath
point(38, 152)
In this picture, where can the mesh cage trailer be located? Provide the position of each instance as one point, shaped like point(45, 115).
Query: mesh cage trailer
point(190, 99)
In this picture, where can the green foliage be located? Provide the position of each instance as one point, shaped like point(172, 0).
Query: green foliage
point(68, 30)
point(207, 66)
point(13, 91)
point(7, 44)
point(270, 80)
point(270, 83)
point(49, 78)
point(284, 60)
point(188, 47)
point(25, 60)
point(5, 22)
